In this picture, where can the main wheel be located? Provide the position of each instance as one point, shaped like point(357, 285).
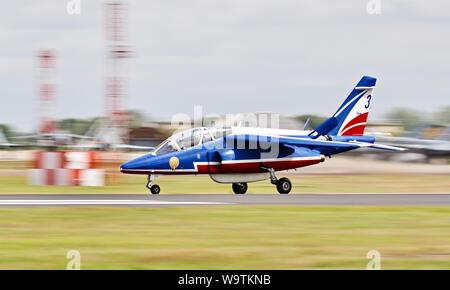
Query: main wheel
point(284, 185)
point(155, 189)
point(240, 188)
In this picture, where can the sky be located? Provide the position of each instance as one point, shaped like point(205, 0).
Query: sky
point(228, 56)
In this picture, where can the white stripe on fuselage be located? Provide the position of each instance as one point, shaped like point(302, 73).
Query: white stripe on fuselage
point(271, 160)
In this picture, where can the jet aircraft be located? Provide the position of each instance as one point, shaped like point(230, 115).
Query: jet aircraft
point(239, 155)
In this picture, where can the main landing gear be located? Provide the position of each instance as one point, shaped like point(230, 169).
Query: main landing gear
point(154, 188)
point(239, 188)
point(284, 185)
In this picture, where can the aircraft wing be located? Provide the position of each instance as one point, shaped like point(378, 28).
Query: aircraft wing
point(54, 135)
point(10, 145)
point(91, 146)
point(326, 147)
point(5, 144)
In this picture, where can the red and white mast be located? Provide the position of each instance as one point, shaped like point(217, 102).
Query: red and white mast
point(116, 80)
point(47, 90)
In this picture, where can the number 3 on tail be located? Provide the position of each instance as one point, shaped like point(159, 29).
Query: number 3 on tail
point(369, 97)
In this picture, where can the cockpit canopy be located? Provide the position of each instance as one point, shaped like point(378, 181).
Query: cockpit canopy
point(189, 138)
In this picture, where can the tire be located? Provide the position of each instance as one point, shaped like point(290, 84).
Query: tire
point(284, 185)
point(155, 189)
point(240, 188)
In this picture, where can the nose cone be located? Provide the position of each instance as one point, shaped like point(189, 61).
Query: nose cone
point(137, 164)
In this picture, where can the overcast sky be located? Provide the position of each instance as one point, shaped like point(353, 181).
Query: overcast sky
point(292, 57)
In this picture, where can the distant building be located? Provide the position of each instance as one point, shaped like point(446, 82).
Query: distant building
point(147, 136)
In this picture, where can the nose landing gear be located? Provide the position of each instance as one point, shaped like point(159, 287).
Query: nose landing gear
point(154, 188)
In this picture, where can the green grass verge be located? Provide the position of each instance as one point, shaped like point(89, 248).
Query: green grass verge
point(203, 184)
point(221, 237)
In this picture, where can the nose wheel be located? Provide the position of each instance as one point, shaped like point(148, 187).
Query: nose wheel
point(154, 188)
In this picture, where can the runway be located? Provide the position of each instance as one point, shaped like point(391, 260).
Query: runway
point(170, 200)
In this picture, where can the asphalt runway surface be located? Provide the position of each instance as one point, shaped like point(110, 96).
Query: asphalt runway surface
point(147, 200)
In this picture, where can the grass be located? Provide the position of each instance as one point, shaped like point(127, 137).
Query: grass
point(203, 184)
point(221, 237)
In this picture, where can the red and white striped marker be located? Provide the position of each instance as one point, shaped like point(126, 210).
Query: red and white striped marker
point(66, 168)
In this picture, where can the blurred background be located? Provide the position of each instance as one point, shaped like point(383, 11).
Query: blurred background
point(88, 84)
point(99, 81)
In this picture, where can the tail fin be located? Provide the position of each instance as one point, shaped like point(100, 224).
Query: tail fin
point(352, 114)
point(351, 117)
